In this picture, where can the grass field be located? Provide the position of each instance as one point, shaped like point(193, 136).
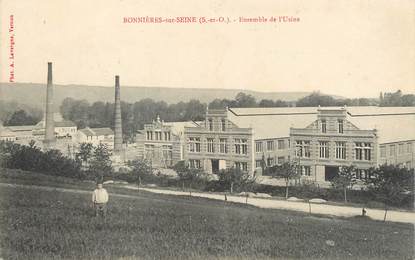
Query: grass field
point(52, 224)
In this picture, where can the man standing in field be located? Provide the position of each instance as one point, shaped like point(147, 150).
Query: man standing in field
point(100, 199)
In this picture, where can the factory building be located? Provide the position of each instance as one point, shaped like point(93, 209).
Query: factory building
point(320, 139)
point(218, 143)
point(162, 143)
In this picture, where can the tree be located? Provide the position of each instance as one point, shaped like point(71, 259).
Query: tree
point(84, 154)
point(408, 100)
point(316, 99)
point(188, 176)
point(31, 158)
point(345, 179)
point(100, 164)
point(220, 103)
point(140, 167)
point(271, 103)
point(397, 99)
point(287, 171)
point(309, 189)
point(245, 100)
point(5, 153)
point(266, 103)
point(20, 117)
point(192, 176)
point(235, 178)
point(181, 168)
point(391, 185)
point(263, 164)
point(75, 110)
point(195, 110)
point(8, 108)
point(97, 115)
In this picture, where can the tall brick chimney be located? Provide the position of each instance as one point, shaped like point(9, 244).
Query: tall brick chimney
point(49, 141)
point(117, 118)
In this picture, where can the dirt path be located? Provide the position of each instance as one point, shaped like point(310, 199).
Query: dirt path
point(342, 211)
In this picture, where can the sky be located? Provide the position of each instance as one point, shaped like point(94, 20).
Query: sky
point(348, 48)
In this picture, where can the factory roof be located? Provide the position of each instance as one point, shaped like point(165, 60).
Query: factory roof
point(6, 132)
point(21, 128)
point(97, 131)
point(62, 123)
point(392, 123)
point(178, 127)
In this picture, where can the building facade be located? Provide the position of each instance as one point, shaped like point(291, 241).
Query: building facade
point(398, 153)
point(271, 135)
point(160, 142)
point(270, 152)
point(322, 139)
point(22, 134)
point(331, 142)
point(63, 128)
point(96, 136)
point(217, 144)
point(6, 134)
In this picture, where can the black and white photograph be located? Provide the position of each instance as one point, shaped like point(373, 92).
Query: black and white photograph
point(207, 129)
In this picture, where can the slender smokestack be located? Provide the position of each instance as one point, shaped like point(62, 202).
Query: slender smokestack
point(49, 141)
point(117, 117)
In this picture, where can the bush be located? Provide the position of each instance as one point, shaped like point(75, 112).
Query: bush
point(31, 158)
point(237, 180)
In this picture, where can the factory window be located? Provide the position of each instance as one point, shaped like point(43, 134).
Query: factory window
point(363, 151)
point(223, 145)
point(281, 160)
point(392, 150)
point(408, 147)
point(258, 164)
point(408, 165)
point(306, 170)
point(167, 136)
point(194, 144)
point(149, 151)
point(158, 135)
point(168, 154)
point(340, 123)
point(223, 125)
point(323, 126)
point(241, 165)
point(324, 149)
point(382, 151)
point(368, 151)
point(210, 122)
point(303, 149)
point(149, 135)
point(362, 174)
point(340, 150)
point(241, 146)
point(210, 145)
point(270, 162)
point(281, 144)
point(400, 149)
point(258, 147)
point(270, 145)
point(194, 164)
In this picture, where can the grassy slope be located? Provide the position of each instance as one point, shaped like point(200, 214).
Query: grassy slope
point(41, 224)
point(26, 177)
